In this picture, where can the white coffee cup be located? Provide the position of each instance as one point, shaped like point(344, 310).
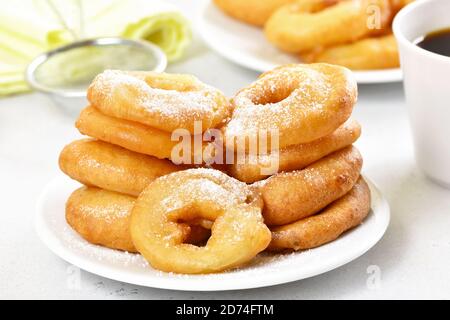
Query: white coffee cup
point(427, 85)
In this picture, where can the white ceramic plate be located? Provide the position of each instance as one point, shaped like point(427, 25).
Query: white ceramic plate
point(266, 270)
point(247, 46)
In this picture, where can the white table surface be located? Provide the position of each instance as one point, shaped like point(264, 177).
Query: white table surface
point(413, 257)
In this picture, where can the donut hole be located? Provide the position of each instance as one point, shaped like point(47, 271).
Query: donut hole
point(197, 231)
point(177, 82)
point(272, 96)
point(198, 237)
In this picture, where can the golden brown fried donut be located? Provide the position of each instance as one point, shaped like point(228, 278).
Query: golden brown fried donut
point(254, 12)
point(295, 157)
point(291, 196)
point(138, 137)
point(365, 54)
point(303, 26)
point(342, 215)
point(127, 134)
point(103, 218)
point(302, 102)
point(238, 233)
point(163, 101)
point(97, 163)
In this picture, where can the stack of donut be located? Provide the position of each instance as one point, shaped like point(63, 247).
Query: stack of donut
point(318, 168)
point(353, 33)
point(202, 220)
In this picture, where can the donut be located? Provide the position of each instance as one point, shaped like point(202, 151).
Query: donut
point(291, 196)
point(255, 12)
point(250, 168)
point(342, 215)
point(366, 54)
point(238, 232)
point(162, 101)
point(127, 134)
point(135, 136)
point(102, 217)
point(307, 24)
point(110, 167)
point(299, 102)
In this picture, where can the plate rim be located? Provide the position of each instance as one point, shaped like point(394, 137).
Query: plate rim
point(256, 64)
point(190, 283)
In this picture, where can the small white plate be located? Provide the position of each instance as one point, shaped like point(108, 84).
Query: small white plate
point(265, 270)
point(247, 46)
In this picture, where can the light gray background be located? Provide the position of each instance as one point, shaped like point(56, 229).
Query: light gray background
point(413, 256)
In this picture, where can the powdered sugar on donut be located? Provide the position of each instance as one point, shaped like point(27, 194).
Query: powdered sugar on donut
point(302, 102)
point(206, 184)
point(127, 95)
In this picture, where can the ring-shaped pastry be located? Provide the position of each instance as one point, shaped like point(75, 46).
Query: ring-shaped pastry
point(238, 232)
point(140, 138)
point(251, 168)
point(366, 54)
point(291, 196)
point(308, 24)
point(100, 164)
point(254, 12)
point(160, 100)
point(294, 103)
point(340, 216)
